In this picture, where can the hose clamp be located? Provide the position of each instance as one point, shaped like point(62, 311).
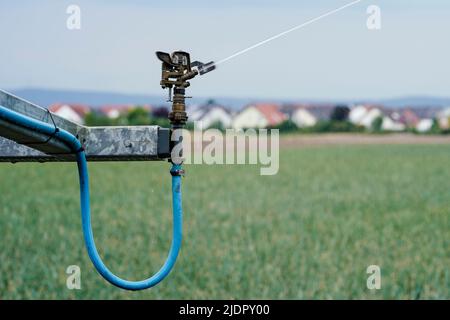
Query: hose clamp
point(177, 173)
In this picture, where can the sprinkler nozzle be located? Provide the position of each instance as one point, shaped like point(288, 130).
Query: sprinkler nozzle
point(204, 68)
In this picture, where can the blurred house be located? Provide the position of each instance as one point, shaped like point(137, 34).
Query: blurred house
point(365, 115)
point(322, 112)
point(210, 115)
point(424, 125)
point(357, 113)
point(427, 116)
point(443, 118)
point(72, 112)
point(391, 121)
point(115, 111)
point(409, 118)
point(259, 116)
point(299, 115)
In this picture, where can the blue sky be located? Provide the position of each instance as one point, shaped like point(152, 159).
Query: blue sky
point(336, 58)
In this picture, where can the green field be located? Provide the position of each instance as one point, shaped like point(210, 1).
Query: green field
point(309, 232)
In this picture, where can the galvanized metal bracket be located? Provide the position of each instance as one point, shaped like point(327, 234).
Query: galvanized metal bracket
point(132, 143)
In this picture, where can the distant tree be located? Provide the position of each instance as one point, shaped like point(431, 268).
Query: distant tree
point(217, 125)
point(340, 113)
point(377, 124)
point(435, 128)
point(138, 116)
point(286, 126)
point(162, 122)
point(336, 126)
point(94, 119)
point(189, 126)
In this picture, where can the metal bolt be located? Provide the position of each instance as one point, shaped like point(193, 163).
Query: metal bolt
point(128, 143)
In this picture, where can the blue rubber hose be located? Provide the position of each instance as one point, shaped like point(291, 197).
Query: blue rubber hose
point(72, 142)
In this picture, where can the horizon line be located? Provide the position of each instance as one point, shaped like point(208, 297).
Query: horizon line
point(278, 99)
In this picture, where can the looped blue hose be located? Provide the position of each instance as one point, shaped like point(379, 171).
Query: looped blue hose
point(77, 148)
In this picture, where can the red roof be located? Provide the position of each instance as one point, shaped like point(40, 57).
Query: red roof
point(409, 118)
point(80, 109)
point(271, 112)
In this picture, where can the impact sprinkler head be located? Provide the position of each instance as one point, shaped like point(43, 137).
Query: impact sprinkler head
point(177, 70)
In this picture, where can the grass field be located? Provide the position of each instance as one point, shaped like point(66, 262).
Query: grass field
point(310, 232)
